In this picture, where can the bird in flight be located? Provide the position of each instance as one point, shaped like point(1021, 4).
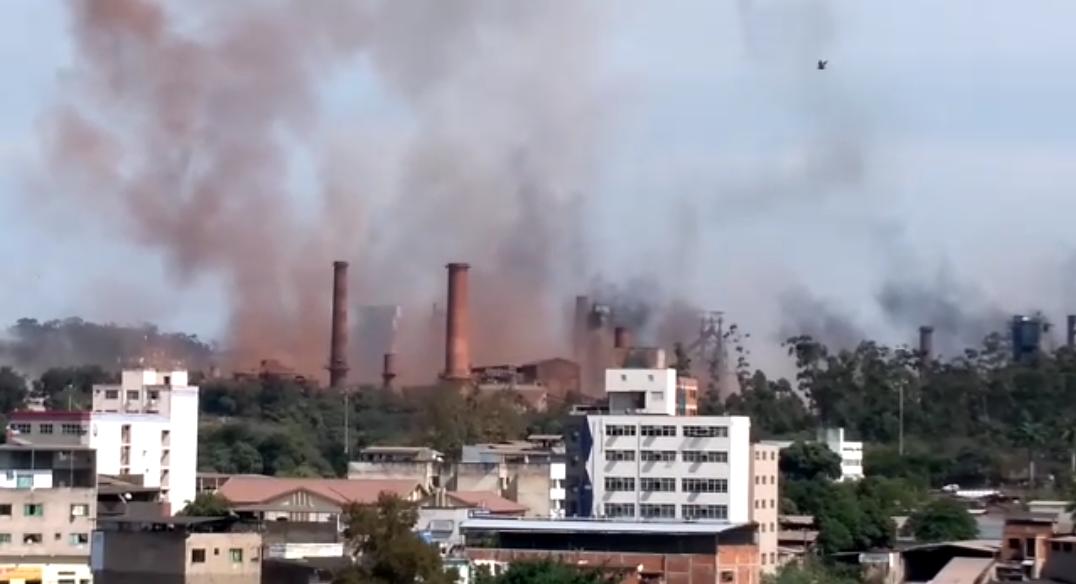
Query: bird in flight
point(822, 64)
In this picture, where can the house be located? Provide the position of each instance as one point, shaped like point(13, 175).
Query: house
point(1060, 562)
point(417, 463)
point(1026, 542)
point(440, 516)
point(310, 500)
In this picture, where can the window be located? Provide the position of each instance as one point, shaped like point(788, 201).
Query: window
point(658, 455)
point(704, 485)
point(44, 428)
point(197, 556)
point(72, 429)
point(24, 481)
point(620, 510)
point(1066, 547)
point(153, 394)
point(33, 510)
point(756, 479)
point(80, 510)
point(1055, 546)
point(705, 431)
point(615, 484)
point(658, 431)
point(32, 538)
point(112, 394)
point(623, 377)
point(727, 576)
point(236, 555)
point(705, 511)
point(1014, 544)
point(615, 430)
point(5, 510)
point(132, 395)
point(21, 428)
point(773, 456)
point(5, 538)
point(652, 511)
point(619, 455)
point(659, 485)
point(80, 538)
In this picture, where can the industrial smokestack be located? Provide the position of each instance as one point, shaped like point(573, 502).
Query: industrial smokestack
point(338, 338)
point(621, 338)
point(1070, 332)
point(579, 326)
point(388, 370)
point(457, 325)
point(926, 343)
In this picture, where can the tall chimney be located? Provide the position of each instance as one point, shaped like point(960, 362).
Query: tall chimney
point(338, 340)
point(579, 327)
point(388, 370)
point(1070, 332)
point(926, 343)
point(457, 325)
point(621, 338)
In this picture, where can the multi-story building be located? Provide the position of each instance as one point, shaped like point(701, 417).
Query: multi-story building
point(641, 391)
point(851, 453)
point(48, 505)
point(530, 472)
point(659, 467)
point(181, 550)
point(399, 462)
point(687, 396)
point(765, 500)
point(146, 426)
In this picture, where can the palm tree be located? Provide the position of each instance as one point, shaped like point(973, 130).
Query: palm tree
point(1029, 435)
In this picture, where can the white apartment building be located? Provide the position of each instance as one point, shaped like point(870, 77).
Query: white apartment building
point(659, 466)
point(641, 391)
point(146, 426)
point(851, 453)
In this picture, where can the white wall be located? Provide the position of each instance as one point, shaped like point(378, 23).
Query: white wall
point(737, 470)
point(657, 385)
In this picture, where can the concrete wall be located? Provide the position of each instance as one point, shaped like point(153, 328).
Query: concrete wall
point(765, 500)
point(658, 387)
point(56, 527)
point(481, 476)
point(426, 473)
point(529, 485)
point(1061, 564)
point(166, 558)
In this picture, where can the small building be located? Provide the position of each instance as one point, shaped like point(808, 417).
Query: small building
point(530, 472)
point(797, 536)
point(851, 452)
point(176, 550)
point(440, 516)
point(973, 560)
point(416, 463)
point(700, 552)
point(1026, 542)
point(641, 391)
point(1060, 564)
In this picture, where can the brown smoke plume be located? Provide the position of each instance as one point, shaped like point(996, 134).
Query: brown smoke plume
point(186, 128)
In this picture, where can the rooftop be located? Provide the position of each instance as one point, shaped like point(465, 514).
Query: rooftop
point(600, 526)
point(27, 415)
point(253, 490)
point(486, 500)
point(420, 453)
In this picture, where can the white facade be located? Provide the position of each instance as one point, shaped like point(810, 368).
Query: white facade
point(851, 453)
point(148, 426)
point(557, 494)
point(661, 467)
point(641, 391)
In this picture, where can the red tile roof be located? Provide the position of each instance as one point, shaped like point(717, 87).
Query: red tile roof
point(487, 500)
point(250, 490)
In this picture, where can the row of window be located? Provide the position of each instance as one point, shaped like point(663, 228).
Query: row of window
point(37, 538)
point(689, 431)
point(667, 455)
point(132, 394)
point(198, 555)
point(65, 429)
point(38, 510)
point(761, 503)
point(765, 480)
point(760, 455)
point(667, 511)
point(627, 484)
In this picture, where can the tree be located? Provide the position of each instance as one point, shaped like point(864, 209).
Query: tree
point(943, 520)
point(385, 548)
point(12, 390)
point(207, 505)
point(71, 388)
point(809, 461)
point(548, 572)
point(681, 360)
point(812, 572)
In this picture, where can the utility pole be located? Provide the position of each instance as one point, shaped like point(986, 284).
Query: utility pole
point(347, 425)
point(900, 440)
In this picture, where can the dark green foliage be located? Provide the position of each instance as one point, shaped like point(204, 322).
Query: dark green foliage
point(385, 548)
point(848, 518)
point(12, 390)
point(813, 572)
point(774, 408)
point(809, 461)
point(207, 505)
point(943, 520)
point(71, 388)
point(548, 572)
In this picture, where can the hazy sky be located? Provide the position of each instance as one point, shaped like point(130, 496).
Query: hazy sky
point(940, 144)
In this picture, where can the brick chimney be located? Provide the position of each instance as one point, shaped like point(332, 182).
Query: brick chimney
point(457, 325)
point(338, 339)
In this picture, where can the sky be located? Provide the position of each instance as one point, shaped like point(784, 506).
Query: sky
point(937, 146)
